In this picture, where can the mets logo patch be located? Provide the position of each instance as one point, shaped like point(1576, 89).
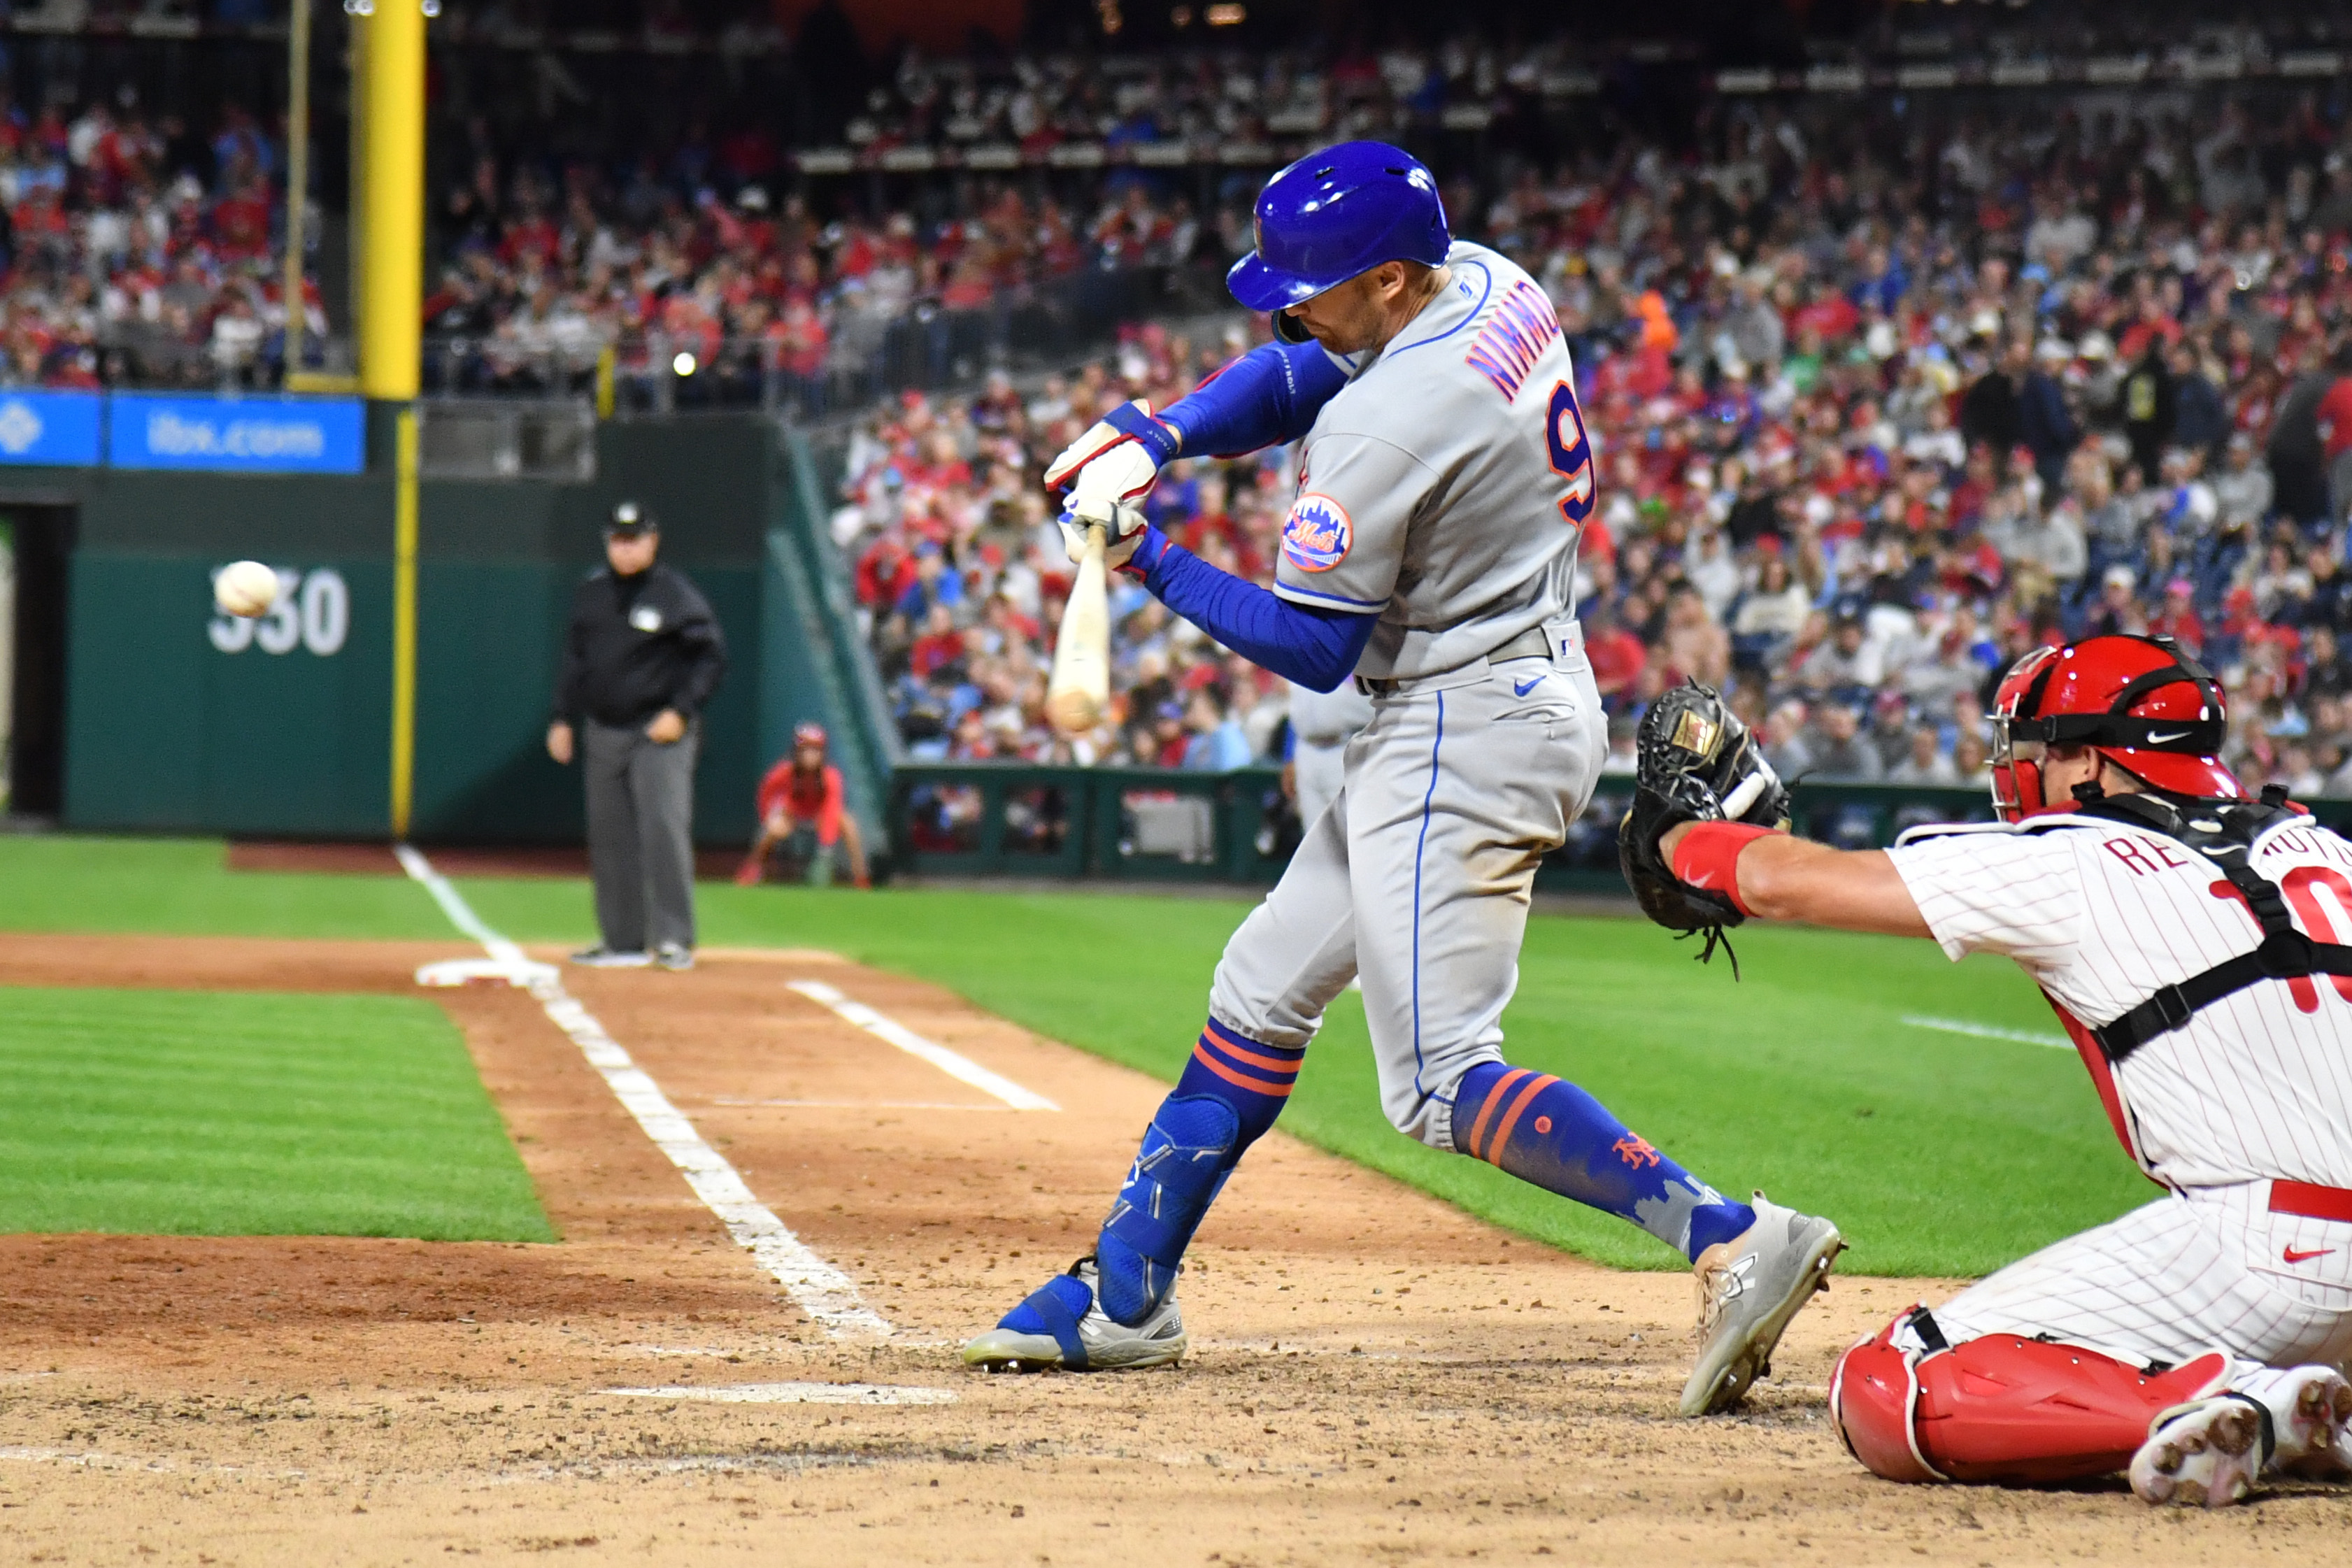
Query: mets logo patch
point(1316, 533)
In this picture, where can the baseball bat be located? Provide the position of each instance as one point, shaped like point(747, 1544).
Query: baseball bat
point(1078, 693)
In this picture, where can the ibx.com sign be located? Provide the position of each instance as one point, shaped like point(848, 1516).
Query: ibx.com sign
point(291, 435)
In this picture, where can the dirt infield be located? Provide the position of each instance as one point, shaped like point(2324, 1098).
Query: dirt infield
point(1376, 1377)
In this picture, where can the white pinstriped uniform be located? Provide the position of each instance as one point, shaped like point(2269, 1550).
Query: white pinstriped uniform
point(2101, 915)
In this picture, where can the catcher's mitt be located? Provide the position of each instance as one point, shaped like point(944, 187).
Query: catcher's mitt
point(1695, 762)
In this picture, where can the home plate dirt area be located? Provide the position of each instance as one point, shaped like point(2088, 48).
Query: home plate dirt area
point(1375, 1377)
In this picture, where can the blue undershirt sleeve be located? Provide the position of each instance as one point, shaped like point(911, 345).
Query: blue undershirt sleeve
point(1313, 646)
point(1269, 396)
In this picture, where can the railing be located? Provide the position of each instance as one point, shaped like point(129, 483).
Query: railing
point(1129, 824)
point(868, 353)
point(507, 438)
point(999, 820)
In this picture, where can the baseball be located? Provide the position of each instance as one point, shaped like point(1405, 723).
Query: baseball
point(246, 588)
point(1074, 713)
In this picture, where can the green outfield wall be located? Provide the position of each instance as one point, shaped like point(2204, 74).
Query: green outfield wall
point(181, 720)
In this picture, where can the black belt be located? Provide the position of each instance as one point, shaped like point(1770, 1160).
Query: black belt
point(1533, 643)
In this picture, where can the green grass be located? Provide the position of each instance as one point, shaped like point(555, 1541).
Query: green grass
point(1937, 1153)
point(249, 1113)
point(182, 887)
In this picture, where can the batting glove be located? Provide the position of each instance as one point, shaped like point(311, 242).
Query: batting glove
point(1123, 526)
point(1118, 459)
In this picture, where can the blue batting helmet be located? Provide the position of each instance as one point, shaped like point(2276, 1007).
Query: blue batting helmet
point(1334, 214)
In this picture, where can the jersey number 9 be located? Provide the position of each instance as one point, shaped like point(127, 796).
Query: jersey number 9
point(1571, 452)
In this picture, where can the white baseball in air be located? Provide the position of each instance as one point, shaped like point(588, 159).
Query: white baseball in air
point(246, 588)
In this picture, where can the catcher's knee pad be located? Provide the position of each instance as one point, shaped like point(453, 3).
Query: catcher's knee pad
point(1999, 1408)
point(1187, 1152)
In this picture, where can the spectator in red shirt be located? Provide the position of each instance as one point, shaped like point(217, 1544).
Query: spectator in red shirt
point(2335, 417)
point(1616, 655)
point(241, 224)
point(939, 646)
point(802, 812)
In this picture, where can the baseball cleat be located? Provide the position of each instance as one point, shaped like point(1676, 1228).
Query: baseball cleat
point(1061, 1327)
point(676, 957)
point(2316, 1444)
point(611, 958)
point(1749, 1288)
point(2203, 1454)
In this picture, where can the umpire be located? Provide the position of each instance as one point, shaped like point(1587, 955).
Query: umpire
point(641, 660)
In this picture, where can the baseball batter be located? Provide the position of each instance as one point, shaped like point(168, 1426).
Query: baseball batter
point(2192, 943)
point(1429, 552)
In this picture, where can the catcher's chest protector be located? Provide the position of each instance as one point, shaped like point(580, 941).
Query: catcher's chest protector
point(2223, 833)
point(2001, 1409)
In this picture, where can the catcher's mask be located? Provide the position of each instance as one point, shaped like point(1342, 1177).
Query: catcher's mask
point(2140, 703)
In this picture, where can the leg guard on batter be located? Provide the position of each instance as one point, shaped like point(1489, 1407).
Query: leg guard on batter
point(1546, 1131)
point(2003, 1409)
point(1231, 1092)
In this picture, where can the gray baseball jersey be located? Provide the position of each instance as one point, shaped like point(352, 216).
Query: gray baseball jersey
point(1443, 486)
point(1446, 485)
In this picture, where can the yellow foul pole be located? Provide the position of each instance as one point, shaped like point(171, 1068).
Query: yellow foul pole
point(389, 38)
point(392, 197)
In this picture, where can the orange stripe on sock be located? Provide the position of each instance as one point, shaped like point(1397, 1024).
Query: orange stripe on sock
point(1272, 1064)
point(1239, 1047)
point(1511, 1118)
point(1201, 1053)
point(1478, 1128)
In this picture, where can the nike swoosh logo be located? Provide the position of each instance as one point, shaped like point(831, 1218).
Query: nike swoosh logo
point(2297, 1254)
point(2156, 740)
point(1519, 690)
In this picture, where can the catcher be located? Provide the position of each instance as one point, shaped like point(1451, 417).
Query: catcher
point(2193, 943)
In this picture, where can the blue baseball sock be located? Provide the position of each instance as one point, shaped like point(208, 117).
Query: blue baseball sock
point(1231, 1091)
point(1547, 1131)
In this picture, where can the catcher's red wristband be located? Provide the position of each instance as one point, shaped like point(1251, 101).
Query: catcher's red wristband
point(1708, 858)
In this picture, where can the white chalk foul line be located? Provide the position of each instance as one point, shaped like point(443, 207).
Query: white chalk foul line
point(794, 1394)
point(956, 1066)
point(821, 1290)
point(1989, 1032)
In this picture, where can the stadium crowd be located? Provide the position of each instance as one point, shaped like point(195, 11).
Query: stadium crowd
point(771, 304)
point(1879, 407)
point(140, 249)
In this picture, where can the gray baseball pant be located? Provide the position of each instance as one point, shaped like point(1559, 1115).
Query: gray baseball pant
point(641, 834)
point(1418, 878)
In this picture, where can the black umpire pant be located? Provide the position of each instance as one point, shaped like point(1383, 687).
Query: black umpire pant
point(641, 834)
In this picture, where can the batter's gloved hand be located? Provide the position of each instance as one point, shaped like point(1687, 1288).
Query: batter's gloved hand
point(1118, 459)
point(1695, 762)
point(1123, 529)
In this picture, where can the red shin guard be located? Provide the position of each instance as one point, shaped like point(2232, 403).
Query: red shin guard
point(2022, 1412)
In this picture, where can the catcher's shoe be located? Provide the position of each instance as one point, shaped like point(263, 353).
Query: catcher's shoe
point(2316, 1440)
point(1749, 1288)
point(2204, 1454)
point(1061, 1326)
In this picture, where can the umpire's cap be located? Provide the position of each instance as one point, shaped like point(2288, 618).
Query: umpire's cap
point(629, 519)
point(1334, 214)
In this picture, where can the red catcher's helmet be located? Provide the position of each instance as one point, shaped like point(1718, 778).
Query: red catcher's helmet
point(2140, 703)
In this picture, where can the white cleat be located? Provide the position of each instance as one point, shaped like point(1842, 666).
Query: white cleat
point(1062, 1327)
point(2204, 1454)
point(1749, 1288)
point(2315, 1443)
